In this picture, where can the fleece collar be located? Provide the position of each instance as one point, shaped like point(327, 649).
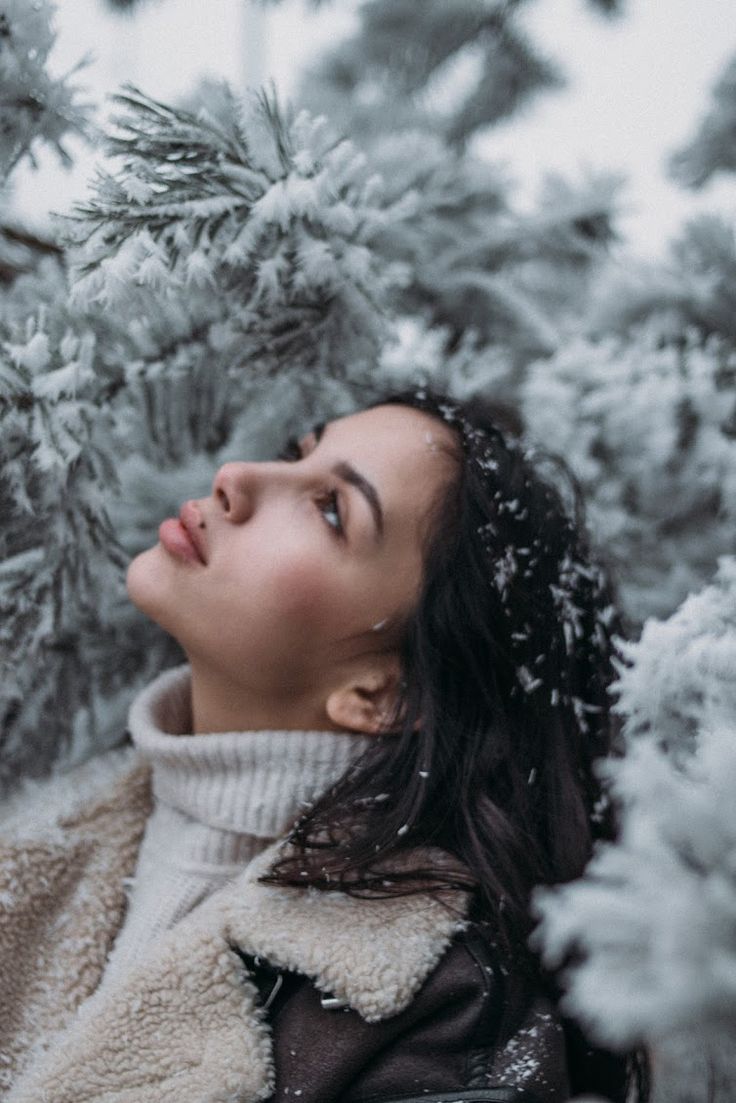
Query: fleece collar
point(184, 1026)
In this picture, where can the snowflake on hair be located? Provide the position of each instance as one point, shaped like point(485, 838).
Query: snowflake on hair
point(505, 570)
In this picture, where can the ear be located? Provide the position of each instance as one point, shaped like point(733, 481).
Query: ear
point(366, 700)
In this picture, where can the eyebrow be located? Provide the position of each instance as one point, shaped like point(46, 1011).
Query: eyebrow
point(348, 474)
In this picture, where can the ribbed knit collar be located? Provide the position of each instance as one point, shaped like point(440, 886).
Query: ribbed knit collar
point(251, 782)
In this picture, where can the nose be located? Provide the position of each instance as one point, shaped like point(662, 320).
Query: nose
point(233, 489)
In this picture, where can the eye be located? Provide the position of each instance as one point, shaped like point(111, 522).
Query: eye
point(291, 451)
point(328, 504)
point(332, 510)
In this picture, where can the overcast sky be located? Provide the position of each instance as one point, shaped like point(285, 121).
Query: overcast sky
point(636, 87)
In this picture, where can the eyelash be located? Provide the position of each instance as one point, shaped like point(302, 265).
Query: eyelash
point(290, 453)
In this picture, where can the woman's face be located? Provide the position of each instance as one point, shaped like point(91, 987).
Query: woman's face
point(310, 563)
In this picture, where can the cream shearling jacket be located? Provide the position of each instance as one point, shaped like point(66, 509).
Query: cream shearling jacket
point(187, 1023)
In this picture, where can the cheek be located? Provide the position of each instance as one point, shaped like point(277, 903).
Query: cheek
point(305, 590)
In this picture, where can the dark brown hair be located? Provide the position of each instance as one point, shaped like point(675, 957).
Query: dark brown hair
point(507, 659)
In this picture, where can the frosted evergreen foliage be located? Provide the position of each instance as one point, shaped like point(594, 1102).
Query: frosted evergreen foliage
point(476, 264)
point(412, 84)
point(453, 68)
point(691, 659)
point(705, 255)
point(415, 354)
point(712, 148)
point(648, 429)
point(693, 289)
point(264, 217)
point(655, 913)
point(35, 107)
point(59, 555)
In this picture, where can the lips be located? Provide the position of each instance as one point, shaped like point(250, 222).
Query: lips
point(183, 536)
point(191, 520)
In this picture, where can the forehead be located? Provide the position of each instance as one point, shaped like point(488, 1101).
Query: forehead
point(409, 454)
point(391, 434)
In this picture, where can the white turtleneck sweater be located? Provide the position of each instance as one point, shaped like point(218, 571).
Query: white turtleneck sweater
point(220, 798)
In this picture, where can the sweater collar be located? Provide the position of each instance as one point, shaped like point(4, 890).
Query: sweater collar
point(250, 782)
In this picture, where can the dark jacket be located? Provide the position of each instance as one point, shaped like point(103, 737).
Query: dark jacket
point(470, 1034)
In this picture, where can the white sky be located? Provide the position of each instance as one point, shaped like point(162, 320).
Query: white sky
point(636, 87)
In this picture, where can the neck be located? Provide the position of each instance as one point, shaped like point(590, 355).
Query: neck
point(220, 704)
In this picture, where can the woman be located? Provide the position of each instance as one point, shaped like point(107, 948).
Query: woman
point(309, 876)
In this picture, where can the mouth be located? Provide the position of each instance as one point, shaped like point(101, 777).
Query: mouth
point(193, 525)
point(182, 536)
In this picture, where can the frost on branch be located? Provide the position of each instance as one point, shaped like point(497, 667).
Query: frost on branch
point(59, 554)
point(264, 217)
point(683, 670)
point(694, 289)
point(648, 428)
point(654, 915)
point(34, 106)
point(476, 264)
point(416, 354)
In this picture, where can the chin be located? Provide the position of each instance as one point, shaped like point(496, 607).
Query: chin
point(147, 583)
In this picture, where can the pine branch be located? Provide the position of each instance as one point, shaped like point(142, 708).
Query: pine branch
point(643, 423)
point(512, 72)
point(476, 264)
point(713, 147)
point(694, 290)
point(35, 107)
point(274, 211)
point(653, 914)
point(403, 67)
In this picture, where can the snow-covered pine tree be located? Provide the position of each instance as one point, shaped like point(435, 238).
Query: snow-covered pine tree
point(649, 932)
point(270, 209)
point(653, 920)
point(695, 285)
point(474, 262)
point(516, 280)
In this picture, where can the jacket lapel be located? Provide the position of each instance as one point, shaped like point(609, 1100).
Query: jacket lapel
point(184, 1025)
point(372, 954)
